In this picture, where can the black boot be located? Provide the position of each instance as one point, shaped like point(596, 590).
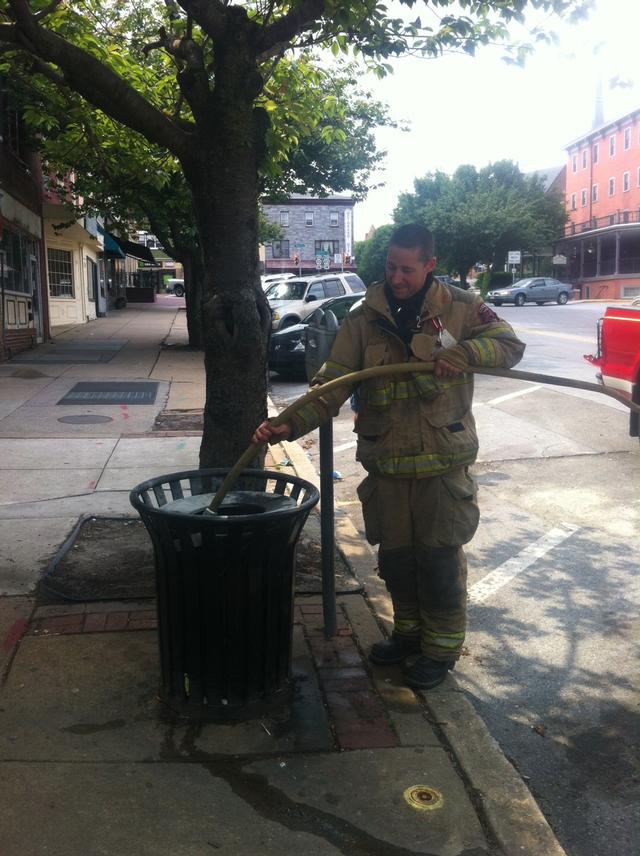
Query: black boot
point(394, 650)
point(425, 673)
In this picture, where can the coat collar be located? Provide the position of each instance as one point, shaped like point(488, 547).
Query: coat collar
point(437, 301)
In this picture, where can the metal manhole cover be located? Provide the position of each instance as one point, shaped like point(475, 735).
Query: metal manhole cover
point(423, 797)
point(85, 420)
point(111, 392)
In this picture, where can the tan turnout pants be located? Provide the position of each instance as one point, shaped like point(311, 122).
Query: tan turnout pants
point(420, 525)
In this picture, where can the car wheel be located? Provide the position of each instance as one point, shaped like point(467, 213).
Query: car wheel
point(289, 321)
point(562, 298)
point(178, 291)
point(519, 300)
point(539, 302)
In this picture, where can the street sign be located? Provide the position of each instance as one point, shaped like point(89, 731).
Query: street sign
point(326, 262)
point(299, 246)
point(514, 257)
point(318, 262)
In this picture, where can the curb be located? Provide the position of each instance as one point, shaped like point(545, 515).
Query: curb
point(505, 803)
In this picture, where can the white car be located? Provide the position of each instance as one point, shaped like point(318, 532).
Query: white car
point(294, 298)
point(175, 286)
point(269, 278)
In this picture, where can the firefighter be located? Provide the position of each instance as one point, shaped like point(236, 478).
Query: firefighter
point(416, 440)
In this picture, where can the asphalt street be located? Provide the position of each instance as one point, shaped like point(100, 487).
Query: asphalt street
point(550, 661)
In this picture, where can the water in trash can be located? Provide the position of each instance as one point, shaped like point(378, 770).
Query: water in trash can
point(236, 503)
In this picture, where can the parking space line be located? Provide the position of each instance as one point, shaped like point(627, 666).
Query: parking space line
point(510, 395)
point(350, 445)
point(510, 569)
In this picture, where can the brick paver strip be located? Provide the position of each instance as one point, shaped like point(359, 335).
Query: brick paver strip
point(142, 624)
point(60, 624)
point(117, 621)
point(354, 707)
point(94, 622)
point(366, 734)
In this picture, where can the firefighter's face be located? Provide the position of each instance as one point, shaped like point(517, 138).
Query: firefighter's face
point(405, 271)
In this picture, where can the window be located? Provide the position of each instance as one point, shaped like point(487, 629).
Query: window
point(584, 159)
point(639, 176)
point(626, 136)
point(594, 192)
point(92, 280)
point(308, 218)
point(625, 182)
point(334, 218)
point(316, 290)
point(355, 282)
point(331, 247)
point(574, 163)
point(333, 288)
point(612, 146)
point(573, 202)
point(583, 197)
point(612, 186)
point(596, 151)
point(284, 218)
point(60, 264)
point(280, 249)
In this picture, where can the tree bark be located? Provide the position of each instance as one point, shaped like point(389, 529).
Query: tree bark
point(194, 290)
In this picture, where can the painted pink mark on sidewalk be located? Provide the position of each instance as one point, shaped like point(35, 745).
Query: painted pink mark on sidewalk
point(124, 410)
point(15, 634)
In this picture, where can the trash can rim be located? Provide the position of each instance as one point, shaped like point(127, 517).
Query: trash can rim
point(234, 520)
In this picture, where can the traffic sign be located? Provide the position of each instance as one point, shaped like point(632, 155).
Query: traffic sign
point(514, 257)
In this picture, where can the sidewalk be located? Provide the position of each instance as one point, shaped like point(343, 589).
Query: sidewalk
point(92, 763)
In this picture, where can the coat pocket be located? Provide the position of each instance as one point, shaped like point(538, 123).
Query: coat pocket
point(368, 494)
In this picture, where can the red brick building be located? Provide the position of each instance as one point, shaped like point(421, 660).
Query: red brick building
point(600, 250)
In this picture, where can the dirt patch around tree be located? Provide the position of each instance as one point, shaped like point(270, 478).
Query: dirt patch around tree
point(106, 558)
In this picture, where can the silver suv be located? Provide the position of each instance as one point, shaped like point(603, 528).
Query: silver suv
point(294, 298)
point(538, 289)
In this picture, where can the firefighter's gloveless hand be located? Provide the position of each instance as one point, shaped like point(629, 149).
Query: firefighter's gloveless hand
point(268, 433)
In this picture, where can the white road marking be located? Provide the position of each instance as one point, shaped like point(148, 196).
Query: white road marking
point(488, 586)
point(350, 445)
point(509, 395)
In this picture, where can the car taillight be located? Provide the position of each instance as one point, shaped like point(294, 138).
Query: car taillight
point(599, 336)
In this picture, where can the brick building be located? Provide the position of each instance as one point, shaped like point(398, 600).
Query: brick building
point(600, 250)
point(312, 228)
point(23, 305)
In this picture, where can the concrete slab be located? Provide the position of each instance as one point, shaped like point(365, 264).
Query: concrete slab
point(47, 454)
point(371, 784)
point(42, 421)
point(167, 454)
point(108, 503)
point(186, 396)
point(95, 697)
point(26, 546)
point(185, 809)
point(36, 485)
point(126, 478)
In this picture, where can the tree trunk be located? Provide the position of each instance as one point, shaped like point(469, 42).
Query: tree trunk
point(236, 315)
point(194, 287)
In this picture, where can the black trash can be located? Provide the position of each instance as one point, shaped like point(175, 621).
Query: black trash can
point(224, 587)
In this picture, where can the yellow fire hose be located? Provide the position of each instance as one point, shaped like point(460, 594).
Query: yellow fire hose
point(399, 368)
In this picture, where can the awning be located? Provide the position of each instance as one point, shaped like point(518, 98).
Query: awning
point(111, 246)
point(137, 251)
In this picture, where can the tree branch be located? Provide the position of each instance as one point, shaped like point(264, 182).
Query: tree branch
point(297, 20)
point(92, 79)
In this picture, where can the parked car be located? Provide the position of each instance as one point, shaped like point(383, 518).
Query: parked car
point(539, 289)
point(175, 286)
point(287, 347)
point(289, 300)
point(447, 280)
point(269, 278)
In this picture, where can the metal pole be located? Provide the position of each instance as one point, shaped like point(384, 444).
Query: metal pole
point(327, 536)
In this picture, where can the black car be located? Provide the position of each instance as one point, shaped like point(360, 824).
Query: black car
point(287, 347)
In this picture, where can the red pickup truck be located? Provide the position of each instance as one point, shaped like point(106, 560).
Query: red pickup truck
point(618, 357)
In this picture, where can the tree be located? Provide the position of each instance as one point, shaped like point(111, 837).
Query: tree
point(372, 253)
point(212, 117)
point(477, 216)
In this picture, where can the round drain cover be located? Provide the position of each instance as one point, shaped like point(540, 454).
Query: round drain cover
point(423, 797)
point(85, 420)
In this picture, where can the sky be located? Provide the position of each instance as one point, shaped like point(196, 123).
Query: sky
point(476, 110)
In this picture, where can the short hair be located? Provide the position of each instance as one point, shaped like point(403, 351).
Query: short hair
point(414, 236)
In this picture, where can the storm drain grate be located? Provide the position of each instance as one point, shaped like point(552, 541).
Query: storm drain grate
point(98, 351)
point(111, 392)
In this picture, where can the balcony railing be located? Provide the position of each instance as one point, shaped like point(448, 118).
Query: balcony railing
point(618, 218)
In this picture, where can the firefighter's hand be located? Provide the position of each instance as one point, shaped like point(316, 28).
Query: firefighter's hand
point(268, 433)
point(450, 362)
